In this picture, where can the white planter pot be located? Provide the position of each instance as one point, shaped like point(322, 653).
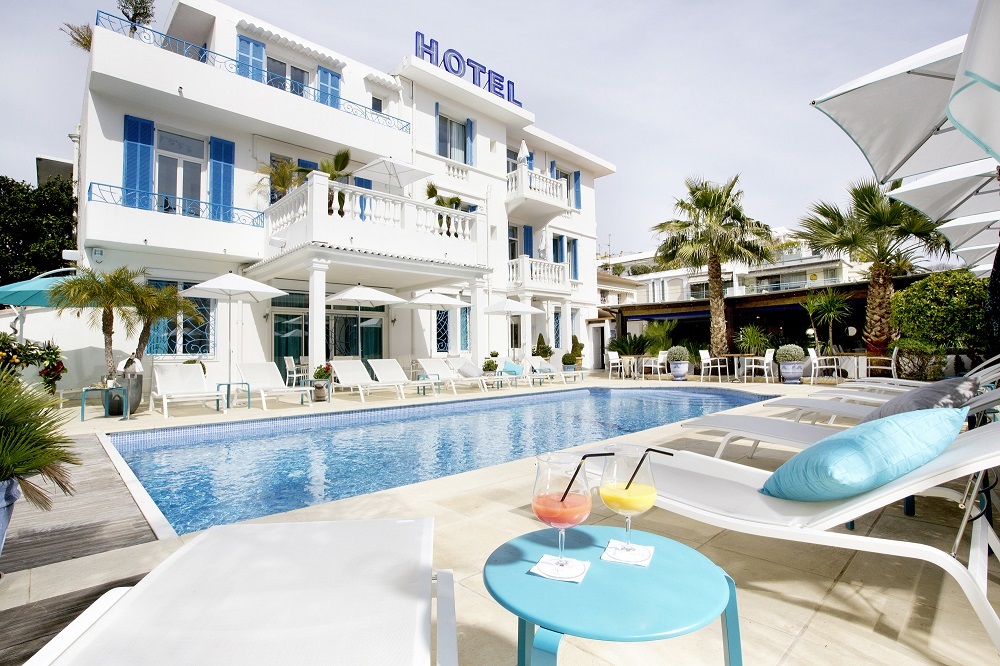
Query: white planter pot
point(9, 492)
point(792, 371)
point(679, 370)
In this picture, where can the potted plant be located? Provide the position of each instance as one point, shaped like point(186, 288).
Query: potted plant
point(542, 349)
point(32, 443)
point(789, 358)
point(577, 352)
point(494, 354)
point(51, 366)
point(490, 365)
point(569, 362)
point(679, 358)
point(323, 374)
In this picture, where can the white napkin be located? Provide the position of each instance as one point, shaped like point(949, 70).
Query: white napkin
point(552, 559)
point(610, 553)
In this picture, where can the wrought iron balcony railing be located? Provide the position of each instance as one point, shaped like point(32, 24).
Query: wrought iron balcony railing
point(165, 203)
point(219, 61)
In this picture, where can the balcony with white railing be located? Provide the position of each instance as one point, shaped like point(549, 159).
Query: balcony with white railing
point(535, 195)
point(525, 274)
point(355, 217)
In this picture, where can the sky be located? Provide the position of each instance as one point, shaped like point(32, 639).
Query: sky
point(663, 90)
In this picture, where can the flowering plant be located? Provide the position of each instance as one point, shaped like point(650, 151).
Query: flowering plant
point(50, 365)
point(323, 371)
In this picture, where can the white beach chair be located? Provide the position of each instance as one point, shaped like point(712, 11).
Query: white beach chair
point(389, 371)
point(540, 365)
point(265, 379)
point(182, 382)
point(354, 375)
point(346, 592)
point(726, 495)
point(436, 369)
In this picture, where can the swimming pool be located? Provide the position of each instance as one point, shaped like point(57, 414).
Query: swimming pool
point(212, 475)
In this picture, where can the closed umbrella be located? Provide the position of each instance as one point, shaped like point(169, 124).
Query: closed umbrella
point(391, 172)
point(508, 307)
point(897, 115)
point(233, 287)
point(432, 300)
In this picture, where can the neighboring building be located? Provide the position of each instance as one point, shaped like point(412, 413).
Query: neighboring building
point(617, 290)
point(797, 267)
point(176, 124)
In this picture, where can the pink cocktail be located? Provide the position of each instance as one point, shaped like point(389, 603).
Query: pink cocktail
point(561, 499)
point(561, 514)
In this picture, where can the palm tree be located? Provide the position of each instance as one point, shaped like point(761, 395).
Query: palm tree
point(713, 230)
point(445, 202)
point(277, 178)
point(32, 441)
point(156, 303)
point(830, 307)
point(137, 12)
point(107, 295)
point(79, 35)
point(336, 169)
point(878, 230)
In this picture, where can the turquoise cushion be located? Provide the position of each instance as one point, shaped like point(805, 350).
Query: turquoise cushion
point(511, 368)
point(869, 455)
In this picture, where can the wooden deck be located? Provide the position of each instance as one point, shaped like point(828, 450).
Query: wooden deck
point(101, 516)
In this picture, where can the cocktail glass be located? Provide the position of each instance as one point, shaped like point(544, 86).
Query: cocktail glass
point(627, 488)
point(561, 499)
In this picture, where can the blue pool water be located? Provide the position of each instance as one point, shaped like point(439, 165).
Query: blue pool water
point(212, 475)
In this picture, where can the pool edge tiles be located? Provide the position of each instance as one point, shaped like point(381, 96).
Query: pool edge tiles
point(134, 440)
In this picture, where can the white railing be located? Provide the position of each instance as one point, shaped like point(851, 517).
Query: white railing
point(456, 171)
point(396, 212)
point(524, 183)
point(535, 273)
point(289, 209)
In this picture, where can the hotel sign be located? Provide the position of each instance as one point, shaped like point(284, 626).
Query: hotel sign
point(455, 63)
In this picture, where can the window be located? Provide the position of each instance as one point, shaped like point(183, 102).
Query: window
point(558, 249)
point(557, 330)
point(451, 139)
point(251, 59)
point(182, 336)
point(511, 160)
point(512, 243)
point(441, 336)
point(463, 326)
point(376, 104)
point(572, 184)
point(179, 161)
point(286, 77)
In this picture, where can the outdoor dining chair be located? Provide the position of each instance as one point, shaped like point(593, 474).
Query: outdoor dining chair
point(294, 374)
point(763, 363)
point(821, 363)
point(710, 363)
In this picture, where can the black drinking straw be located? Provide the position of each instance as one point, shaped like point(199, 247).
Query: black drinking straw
point(578, 468)
point(642, 460)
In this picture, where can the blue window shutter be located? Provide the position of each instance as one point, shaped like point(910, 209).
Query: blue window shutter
point(366, 184)
point(529, 240)
point(531, 161)
point(329, 87)
point(470, 141)
point(574, 259)
point(552, 169)
point(222, 156)
point(473, 208)
point(137, 163)
point(576, 189)
point(306, 164)
point(251, 58)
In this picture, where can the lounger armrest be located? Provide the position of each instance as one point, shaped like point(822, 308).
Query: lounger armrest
point(447, 627)
point(54, 649)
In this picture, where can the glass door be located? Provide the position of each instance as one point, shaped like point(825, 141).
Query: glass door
point(355, 335)
point(371, 338)
point(289, 338)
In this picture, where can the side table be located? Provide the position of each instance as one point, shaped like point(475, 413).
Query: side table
point(103, 390)
point(679, 592)
point(229, 387)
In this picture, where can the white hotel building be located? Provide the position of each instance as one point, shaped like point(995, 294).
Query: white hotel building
point(176, 123)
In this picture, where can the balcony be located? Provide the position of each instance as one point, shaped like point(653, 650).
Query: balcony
point(354, 217)
point(537, 276)
point(224, 63)
point(156, 222)
point(534, 195)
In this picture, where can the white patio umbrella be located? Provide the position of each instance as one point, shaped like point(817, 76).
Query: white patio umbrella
point(897, 115)
point(508, 308)
point(432, 300)
point(231, 286)
point(972, 230)
point(391, 172)
point(364, 297)
point(975, 96)
point(976, 255)
point(958, 191)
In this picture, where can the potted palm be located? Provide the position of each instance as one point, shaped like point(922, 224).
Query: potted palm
point(32, 443)
point(679, 359)
point(542, 349)
point(789, 358)
point(323, 373)
point(569, 362)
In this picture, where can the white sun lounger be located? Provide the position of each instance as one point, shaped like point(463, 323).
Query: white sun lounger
point(725, 494)
point(265, 379)
point(354, 375)
point(537, 362)
point(339, 592)
point(436, 369)
point(182, 382)
point(833, 408)
point(389, 371)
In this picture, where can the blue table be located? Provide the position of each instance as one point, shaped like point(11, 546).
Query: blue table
point(105, 390)
point(679, 592)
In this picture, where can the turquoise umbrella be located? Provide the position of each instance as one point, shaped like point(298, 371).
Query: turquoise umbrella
point(34, 292)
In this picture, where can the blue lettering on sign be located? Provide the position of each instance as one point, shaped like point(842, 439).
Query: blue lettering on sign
point(454, 63)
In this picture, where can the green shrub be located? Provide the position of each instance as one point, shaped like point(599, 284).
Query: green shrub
point(630, 345)
point(752, 339)
point(489, 365)
point(568, 359)
point(789, 354)
point(944, 310)
point(541, 349)
point(660, 334)
point(920, 360)
point(677, 354)
point(577, 349)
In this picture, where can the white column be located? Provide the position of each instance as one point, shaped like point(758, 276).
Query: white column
point(317, 312)
point(527, 339)
point(478, 321)
point(566, 324)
